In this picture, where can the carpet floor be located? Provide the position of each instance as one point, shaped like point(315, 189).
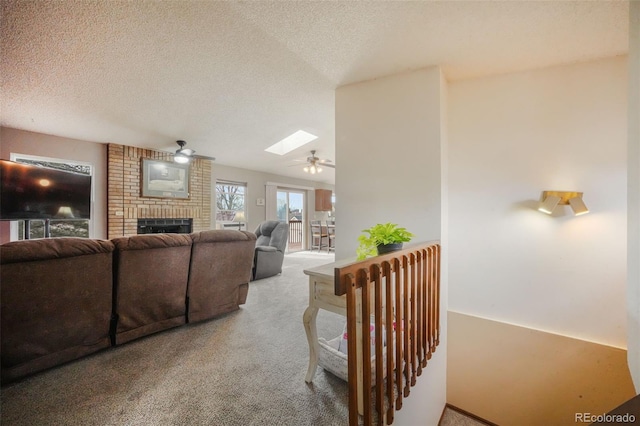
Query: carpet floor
point(244, 368)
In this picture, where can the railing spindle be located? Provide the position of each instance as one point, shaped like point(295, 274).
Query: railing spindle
point(352, 361)
point(377, 280)
point(406, 309)
point(435, 296)
point(390, 321)
point(430, 322)
point(364, 278)
point(400, 330)
point(414, 322)
point(436, 300)
point(419, 308)
point(425, 310)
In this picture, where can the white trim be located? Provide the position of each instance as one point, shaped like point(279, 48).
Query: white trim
point(15, 155)
point(290, 186)
point(230, 182)
point(271, 204)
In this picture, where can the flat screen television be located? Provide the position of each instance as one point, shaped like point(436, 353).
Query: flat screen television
point(32, 192)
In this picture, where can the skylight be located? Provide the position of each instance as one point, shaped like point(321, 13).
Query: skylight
point(291, 142)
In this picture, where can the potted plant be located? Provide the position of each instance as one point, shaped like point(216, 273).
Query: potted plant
point(381, 238)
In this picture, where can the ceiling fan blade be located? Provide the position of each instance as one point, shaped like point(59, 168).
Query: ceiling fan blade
point(204, 157)
point(331, 166)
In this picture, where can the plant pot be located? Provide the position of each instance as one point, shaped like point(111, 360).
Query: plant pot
point(388, 248)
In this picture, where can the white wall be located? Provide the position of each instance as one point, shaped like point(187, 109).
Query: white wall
point(38, 144)
point(256, 182)
point(389, 133)
point(389, 142)
point(633, 286)
point(511, 137)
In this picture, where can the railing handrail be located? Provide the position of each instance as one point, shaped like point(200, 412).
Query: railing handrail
point(340, 287)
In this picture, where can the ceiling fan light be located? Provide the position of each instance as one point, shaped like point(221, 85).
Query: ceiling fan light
point(179, 158)
point(314, 163)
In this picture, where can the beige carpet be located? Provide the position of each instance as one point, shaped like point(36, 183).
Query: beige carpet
point(246, 368)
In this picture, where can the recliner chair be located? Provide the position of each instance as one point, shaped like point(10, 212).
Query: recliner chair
point(271, 243)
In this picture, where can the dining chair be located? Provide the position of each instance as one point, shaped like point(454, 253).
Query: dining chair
point(318, 234)
point(331, 235)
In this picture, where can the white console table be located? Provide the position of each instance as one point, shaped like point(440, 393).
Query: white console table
point(322, 296)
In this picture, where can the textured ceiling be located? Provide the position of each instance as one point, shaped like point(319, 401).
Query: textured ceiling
point(232, 78)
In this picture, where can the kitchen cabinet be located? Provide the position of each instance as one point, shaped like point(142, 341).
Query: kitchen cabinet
point(323, 200)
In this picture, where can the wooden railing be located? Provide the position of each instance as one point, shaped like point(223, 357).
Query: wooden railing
point(295, 231)
point(401, 291)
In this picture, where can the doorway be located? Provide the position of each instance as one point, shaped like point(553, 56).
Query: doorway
point(291, 210)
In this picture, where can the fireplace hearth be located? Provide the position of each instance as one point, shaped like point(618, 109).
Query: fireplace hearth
point(165, 226)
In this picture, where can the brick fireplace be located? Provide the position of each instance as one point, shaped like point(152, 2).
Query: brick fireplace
point(161, 226)
point(126, 206)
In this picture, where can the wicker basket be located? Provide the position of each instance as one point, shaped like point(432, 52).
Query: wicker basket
point(335, 362)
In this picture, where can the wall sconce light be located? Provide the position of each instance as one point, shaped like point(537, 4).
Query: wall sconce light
point(550, 199)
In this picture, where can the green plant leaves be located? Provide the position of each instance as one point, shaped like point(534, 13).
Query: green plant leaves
point(381, 233)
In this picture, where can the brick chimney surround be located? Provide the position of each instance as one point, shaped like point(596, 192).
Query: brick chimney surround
point(125, 204)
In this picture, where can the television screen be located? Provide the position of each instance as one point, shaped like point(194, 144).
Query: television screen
point(32, 192)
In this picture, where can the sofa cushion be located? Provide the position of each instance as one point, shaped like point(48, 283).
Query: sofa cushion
point(55, 302)
point(221, 263)
point(150, 289)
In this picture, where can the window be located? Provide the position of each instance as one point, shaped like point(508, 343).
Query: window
point(230, 205)
point(58, 227)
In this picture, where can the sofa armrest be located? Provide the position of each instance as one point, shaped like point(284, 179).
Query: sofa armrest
point(266, 248)
point(268, 262)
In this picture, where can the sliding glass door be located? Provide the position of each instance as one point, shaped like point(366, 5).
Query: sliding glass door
point(291, 211)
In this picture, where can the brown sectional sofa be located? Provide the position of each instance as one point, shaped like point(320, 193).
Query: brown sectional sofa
point(64, 298)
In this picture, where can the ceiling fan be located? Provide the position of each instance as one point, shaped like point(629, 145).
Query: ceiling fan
point(315, 164)
point(183, 155)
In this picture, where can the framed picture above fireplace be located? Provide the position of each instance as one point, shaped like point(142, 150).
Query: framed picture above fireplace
point(163, 179)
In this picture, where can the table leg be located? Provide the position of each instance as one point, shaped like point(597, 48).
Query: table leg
point(309, 320)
